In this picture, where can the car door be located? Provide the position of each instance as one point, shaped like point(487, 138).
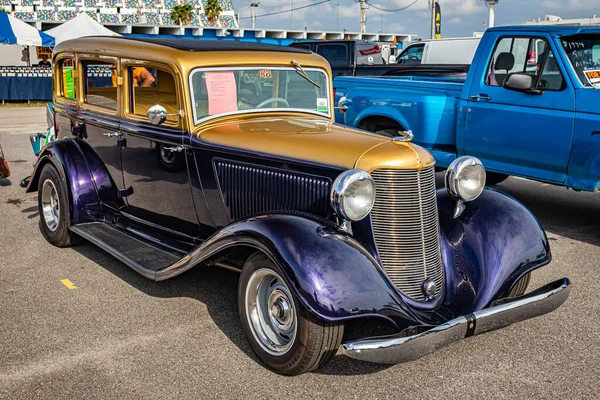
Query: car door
point(515, 132)
point(97, 122)
point(153, 156)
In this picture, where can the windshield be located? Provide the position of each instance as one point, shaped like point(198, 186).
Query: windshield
point(217, 91)
point(584, 53)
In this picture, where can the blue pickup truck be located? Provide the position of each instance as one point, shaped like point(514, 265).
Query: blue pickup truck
point(529, 106)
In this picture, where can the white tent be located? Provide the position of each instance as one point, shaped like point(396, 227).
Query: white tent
point(80, 26)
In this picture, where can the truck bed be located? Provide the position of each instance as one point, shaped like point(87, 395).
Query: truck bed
point(424, 104)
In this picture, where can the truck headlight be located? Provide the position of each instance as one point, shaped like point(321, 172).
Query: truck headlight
point(353, 194)
point(465, 178)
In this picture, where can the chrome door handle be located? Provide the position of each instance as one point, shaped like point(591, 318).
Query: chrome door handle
point(112, 134)
point(478, 97)
point(176, 149)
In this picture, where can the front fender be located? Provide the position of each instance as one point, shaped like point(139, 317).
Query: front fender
point(495, 241)
point(334, 277)
point(73, 168)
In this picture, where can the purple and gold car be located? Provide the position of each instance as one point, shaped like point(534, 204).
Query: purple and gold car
point(174, 154)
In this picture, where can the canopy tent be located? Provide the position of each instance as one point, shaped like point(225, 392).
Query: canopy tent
point(15, 31)
point(80, 26)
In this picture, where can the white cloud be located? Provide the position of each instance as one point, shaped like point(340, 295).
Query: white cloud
point(572, 5)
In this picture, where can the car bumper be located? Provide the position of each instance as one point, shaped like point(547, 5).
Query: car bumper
point(395, 349)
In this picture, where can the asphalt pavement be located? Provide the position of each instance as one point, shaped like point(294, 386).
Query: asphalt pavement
point(109, 333)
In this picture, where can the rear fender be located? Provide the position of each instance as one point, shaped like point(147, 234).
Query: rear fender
point(334, 277)
point(66, 156)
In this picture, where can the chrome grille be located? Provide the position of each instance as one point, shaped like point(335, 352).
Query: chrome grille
point(406, 228)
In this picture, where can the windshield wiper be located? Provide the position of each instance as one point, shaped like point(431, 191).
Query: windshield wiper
point(300, 71)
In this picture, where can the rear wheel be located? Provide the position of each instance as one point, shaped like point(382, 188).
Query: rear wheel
point(53, 207)
point(494, 178)
point(282, 333)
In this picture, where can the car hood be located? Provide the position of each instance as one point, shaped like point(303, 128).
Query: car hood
point(314, 140)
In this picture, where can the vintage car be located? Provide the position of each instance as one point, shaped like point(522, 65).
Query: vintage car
point(173, 154)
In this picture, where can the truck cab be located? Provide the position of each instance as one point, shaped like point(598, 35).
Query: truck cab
point(525, 107)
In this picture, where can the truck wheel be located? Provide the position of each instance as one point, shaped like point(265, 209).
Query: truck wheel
point(282, 333)
point(53, 207)
point(494, 178)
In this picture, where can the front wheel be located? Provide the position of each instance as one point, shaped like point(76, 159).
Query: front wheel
point(282, 333)
point(53, 207)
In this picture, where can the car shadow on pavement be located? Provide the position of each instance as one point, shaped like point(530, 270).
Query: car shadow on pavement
point(217, 289)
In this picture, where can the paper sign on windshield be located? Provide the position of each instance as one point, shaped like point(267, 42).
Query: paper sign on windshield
point(594, 77)
point(222, 92)
point(322, 104)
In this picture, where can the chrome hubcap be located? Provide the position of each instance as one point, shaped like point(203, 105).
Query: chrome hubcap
point(50, 205)
point(271, 312)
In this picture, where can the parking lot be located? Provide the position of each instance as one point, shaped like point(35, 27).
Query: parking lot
point(109, 333)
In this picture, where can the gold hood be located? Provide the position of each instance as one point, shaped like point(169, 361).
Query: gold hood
point(314, 140)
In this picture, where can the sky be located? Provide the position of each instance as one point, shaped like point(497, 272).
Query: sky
point(459, 17)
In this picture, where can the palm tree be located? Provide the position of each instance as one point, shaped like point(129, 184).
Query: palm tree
point(212, 10)
point(182, 14)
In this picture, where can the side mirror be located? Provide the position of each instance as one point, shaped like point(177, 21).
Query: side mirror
point(157, 114)
point(521, 82)
point(343, 104)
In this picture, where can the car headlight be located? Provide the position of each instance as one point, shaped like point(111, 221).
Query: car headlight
point(353, 194)
point(465, 178)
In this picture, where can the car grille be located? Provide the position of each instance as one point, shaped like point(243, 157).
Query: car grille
point(406, 229)
point(249, 190)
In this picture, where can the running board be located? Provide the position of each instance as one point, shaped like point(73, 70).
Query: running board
point(146, 259)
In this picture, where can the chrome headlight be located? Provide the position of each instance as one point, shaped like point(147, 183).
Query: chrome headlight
point(353, 194)
point(465, 178)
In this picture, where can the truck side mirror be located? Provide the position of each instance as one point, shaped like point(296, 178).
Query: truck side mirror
point(521, 82)
point(343, 104)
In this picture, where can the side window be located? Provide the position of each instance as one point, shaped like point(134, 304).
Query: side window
point(100, 83)
point(65, 77)
point(150, 86)
point(525, 55)
point(412, 55)
point(336, 54)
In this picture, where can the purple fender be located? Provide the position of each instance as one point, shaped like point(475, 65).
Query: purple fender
point(493, 243)
point(334, 277)
point(75, 160)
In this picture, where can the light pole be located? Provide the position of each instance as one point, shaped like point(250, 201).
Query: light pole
point(252, 7)
point(292, 14)
point(337, 16)
point(491, 13)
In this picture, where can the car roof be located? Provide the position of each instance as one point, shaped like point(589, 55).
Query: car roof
point(553, 29)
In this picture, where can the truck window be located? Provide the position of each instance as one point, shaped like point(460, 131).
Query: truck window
point(412, 55)
point(584, 54)
point(368, 54)
point(525, 55)
point(336, 54)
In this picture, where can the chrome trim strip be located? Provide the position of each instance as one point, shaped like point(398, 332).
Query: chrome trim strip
point(394, 349)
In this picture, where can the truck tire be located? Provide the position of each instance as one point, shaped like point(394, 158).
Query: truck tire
point(494, 178)
point(282, 333)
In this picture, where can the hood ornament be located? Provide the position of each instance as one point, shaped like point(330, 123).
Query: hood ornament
point(405, 136)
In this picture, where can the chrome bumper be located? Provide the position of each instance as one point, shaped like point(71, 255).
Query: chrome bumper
point(394, 349)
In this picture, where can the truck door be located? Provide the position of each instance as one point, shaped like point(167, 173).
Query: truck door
point(520, 133)
point(339, 57)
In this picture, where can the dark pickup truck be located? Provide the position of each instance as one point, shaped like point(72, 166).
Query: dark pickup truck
point(363, 58)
